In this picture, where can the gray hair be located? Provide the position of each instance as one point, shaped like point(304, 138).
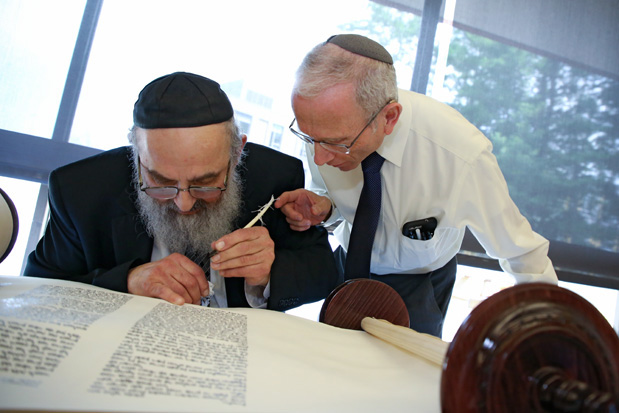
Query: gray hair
point(232, 129)
point(327, 65)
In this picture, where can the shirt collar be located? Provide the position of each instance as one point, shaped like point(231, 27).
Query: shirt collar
point(392, 148)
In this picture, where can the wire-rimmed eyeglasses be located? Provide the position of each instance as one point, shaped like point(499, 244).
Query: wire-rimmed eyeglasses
point(169, 192)
point(335, 147)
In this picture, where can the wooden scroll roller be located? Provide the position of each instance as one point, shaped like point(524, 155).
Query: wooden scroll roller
point(528, 348)
point(359, 298)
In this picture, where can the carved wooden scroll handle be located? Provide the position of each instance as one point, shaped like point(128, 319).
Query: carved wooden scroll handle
point(532, 348)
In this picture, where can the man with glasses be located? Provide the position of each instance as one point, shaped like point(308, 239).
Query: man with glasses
point(168, 216)
point(405, 175)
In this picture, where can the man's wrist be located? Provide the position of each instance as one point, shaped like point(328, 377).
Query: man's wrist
point(326, 218)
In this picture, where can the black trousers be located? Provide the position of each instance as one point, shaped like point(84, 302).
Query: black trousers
point(426, 296)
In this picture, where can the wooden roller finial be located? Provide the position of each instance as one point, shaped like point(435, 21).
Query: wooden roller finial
point(528, 348)
point(532, 348)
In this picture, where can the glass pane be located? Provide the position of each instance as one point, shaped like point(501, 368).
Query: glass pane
point(38, 37)
point(277, 131)
point(398, 31)
point(555, 132)
point(250, 50)
point(24, 195)
point(473, 285)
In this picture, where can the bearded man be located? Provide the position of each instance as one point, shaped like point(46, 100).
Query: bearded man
point(166, 216)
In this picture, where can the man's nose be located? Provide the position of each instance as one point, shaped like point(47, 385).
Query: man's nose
point(321, 155)
point(184, 201)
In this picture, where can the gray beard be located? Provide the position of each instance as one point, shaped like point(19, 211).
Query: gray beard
point(192, 235)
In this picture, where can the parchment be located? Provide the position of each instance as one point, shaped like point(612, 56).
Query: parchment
point(80, 348)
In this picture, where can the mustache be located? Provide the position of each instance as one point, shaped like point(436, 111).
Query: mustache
point(200, 205)
point(192, 234)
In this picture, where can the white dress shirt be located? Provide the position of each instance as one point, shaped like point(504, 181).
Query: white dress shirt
point(437, 165)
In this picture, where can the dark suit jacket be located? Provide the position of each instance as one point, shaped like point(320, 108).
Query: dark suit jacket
point(95, 235)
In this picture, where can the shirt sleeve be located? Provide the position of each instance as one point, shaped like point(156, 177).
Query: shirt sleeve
point(257, 296)
point(496, 222)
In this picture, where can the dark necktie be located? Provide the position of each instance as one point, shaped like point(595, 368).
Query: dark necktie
point(366, 220)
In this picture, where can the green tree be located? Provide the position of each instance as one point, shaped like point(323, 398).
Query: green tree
point(554, 128)
point(397, 31)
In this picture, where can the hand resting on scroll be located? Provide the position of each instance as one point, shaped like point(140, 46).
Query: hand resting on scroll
point(174, 278)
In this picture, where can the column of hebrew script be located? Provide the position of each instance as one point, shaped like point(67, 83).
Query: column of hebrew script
point(172, 352)
point(43, 326)
point(180, 352)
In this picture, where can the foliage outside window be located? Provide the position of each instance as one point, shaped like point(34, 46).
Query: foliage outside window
point(554, 127)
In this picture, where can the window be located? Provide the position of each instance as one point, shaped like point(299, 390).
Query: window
point(258, 131)
point(244, 122)
point(277, 131)
point(544, 93)
point(34, 66)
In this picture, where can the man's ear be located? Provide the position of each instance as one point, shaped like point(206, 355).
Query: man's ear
point(244, 139)
point(238, 155)
point(392, 114)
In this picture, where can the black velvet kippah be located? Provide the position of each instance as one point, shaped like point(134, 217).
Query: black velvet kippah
point(361, 45)
point(181, 100)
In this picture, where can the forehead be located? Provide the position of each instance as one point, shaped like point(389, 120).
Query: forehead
point(332, 114)
point(174, 150)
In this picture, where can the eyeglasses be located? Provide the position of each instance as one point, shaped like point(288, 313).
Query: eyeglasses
point(335, 147)
point(169, 192)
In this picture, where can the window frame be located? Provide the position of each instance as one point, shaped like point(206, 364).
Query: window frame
point(32, 158)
